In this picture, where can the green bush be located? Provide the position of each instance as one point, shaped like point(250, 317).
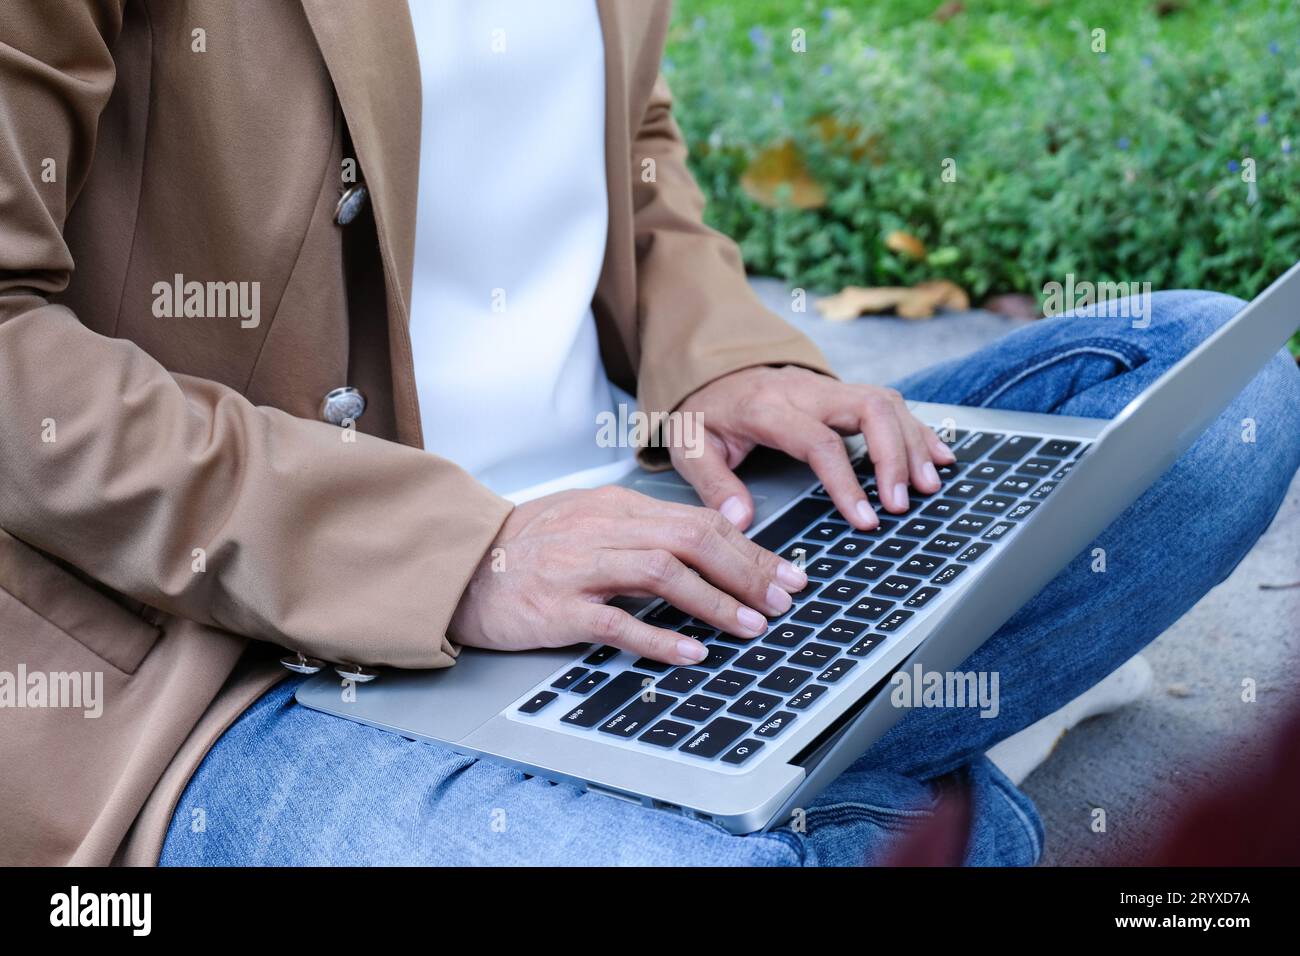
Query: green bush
point(1122, 165)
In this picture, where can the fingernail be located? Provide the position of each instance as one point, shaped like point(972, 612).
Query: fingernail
point(751, 621)
point(733, 509)
point(900, 495)
point(929, 474)
point(790, 576)
point(778, 601)
point(867, 514)
point(691, 651)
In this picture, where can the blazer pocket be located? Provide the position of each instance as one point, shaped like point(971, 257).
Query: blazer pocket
point(105, 628)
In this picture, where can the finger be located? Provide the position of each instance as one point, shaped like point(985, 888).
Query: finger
point(887, 448)
point(659, 573)
point(808, 439)
point(605, 624)
point(711, 544)
point(925, 478)
point(705, 467)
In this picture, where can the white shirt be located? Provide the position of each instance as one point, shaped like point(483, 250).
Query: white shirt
point(510, 238)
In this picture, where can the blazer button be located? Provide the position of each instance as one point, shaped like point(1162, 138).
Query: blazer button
point(351, 203)
point(342, 404)
point(300, 663)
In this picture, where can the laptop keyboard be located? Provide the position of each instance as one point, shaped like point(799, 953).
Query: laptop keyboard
point(864, 589)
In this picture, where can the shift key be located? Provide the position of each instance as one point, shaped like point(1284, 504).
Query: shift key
point(606, 700)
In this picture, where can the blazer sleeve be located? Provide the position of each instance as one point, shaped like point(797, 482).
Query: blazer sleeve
point(698, 317)
point(175, 490)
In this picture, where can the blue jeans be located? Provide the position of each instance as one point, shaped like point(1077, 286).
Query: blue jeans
point(286, 785)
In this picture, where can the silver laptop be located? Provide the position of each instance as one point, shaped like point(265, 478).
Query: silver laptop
point(757, 729)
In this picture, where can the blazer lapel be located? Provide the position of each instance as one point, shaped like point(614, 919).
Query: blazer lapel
point(373, 61)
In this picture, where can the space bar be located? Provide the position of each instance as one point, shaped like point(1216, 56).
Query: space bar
point(801, 514)
point(606, 700)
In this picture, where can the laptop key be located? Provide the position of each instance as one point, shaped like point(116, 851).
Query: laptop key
point(801, 552)
point(970, 524)
point(568, 678)
point(987, 471)
point(716, 736)
point(1037, 467)
point(946, 544)
point(728, 683)
point(646, 664)
point(976, 445)
point(942, 508)
point(755, 705)
point(993, 504)
point(680, 681)
point(805, 698)
point(787, 635)
point(589, 683)
point(797, 517)
point(825, 568)
point(895, 548)
point(1043, 490)
point(699, 707)
point(537, 702)
point(869, 608)
point(742, 751)
point(605, 701)
point(850, 547)
point(1058, 448)
point(841, 631)
point(758, 659)
point(816, 612)
point(826, 531)
point(1014, 448)
point(1015, 485)
point(975, 551)
point(666, 733)
point(1021, 510)
point(948, 574)
point(600, 655)
point(842, 591)
point(921, 598)
point(773, 726)
point(837, 670)
point(868, 569)
point(636, 716)
point(996, 532)
point(895, 620)
point(665, 615)
point(813, 655)
point(921, 564)
point(895, 586)
point(865, 646)
point(920, 528)
point(785, 679)
point(965, 489)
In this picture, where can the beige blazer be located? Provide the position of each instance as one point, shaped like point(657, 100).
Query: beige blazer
point(175, 511)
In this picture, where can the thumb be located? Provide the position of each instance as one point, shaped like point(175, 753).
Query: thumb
point(705, 466)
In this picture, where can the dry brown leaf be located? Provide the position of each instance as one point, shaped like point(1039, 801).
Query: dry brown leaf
point(925, 298)
point(905, 244)
point(949, 10)
point(782, 166)
point(831, 130)
point(917, 302)
point(854, 301)
point(1013, 304)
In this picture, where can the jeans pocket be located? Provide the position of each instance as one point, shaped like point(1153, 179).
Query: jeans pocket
point(1060, 372)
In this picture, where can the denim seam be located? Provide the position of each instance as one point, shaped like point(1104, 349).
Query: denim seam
point(1024, 820)
point(1117, 349)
